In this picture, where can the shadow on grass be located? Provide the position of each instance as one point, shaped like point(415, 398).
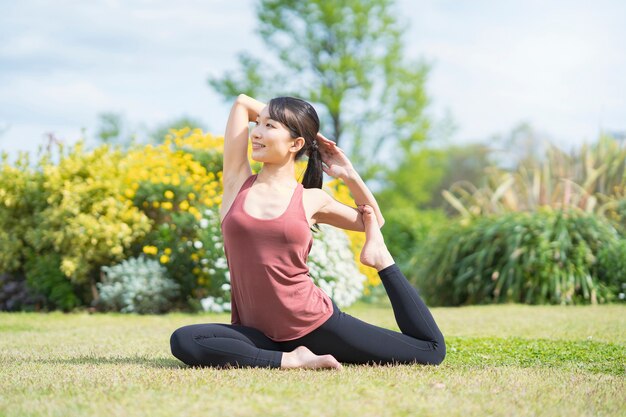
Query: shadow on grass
point(101, 360)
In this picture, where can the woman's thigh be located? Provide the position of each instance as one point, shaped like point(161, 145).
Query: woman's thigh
point(351, 340)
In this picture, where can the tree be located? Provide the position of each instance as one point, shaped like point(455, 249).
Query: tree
point(348, 57)
point(110, 129)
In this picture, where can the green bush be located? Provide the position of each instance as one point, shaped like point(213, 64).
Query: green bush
point(406, 228)
point(612, 268)
point(44, 276)
point(549, 256)
point(60, 221)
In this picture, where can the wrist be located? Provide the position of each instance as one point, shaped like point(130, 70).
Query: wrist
point(252, 106)
point(351, 175)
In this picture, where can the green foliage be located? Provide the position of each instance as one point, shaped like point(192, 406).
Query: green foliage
point(407, 228)
point(44, 276)
point(550, 256)
point(413, 180)
point(137, 285)
point(84, 220)
point(21, 196)
point(58, 220)
point(348, 56)
point(110, 129)
point(612, 268)
point(592, 179)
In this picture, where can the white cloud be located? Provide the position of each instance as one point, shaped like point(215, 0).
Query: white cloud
point(558, 65)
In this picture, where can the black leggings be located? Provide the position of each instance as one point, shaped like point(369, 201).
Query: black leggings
point(347, 338)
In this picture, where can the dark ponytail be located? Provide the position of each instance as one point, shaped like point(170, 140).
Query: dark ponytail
point(301, 119)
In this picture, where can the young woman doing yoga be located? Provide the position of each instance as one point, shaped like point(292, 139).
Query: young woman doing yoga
point(279, 317)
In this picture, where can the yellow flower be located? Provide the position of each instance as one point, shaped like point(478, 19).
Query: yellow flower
point(184, 205)
point(167, 205)
point(155, 204)
point(191, 196)
point(168, 251)
point(164, 259)
point(129, 193)
point(168, 194)
point(150, 250)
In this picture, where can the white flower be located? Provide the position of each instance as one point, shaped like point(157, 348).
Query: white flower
point(197, 244)
point(204, 223)
point(332, 266)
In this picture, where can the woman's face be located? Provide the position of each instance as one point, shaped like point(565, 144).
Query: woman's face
point(271, 140)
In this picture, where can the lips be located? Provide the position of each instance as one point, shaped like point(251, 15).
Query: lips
point(256, 145)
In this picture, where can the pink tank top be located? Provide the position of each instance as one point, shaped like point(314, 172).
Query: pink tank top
point(271, 289)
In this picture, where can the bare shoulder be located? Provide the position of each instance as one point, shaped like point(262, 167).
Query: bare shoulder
point(313, 200)
point(316, 196)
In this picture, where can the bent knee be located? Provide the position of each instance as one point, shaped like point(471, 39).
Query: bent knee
point(178, 342)
point(440, 352)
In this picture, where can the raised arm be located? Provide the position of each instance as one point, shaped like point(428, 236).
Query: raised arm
point(236, 165)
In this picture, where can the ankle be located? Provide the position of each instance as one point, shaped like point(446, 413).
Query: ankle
point(382, 265)
point(289, 360)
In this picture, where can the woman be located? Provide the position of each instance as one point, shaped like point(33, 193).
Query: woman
point(279, 317)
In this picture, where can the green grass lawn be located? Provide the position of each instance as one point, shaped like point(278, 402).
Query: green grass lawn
point(502, 360)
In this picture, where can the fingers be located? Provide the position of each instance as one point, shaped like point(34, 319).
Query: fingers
point(325, 139)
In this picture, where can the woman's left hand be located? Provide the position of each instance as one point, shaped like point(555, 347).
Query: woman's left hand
point(334, 161)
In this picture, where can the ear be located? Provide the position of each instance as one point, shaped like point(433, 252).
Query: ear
point(298, 143)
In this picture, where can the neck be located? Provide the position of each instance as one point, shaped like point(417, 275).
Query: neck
point(277, 176)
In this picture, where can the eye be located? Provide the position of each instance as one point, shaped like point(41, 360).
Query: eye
point(269, 125)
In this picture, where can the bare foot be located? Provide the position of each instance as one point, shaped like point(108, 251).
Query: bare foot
point(374, 252)
point(302, 357)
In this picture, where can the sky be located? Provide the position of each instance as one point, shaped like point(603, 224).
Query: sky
point(557, 65)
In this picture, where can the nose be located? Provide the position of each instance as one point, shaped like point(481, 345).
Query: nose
point(255, 132)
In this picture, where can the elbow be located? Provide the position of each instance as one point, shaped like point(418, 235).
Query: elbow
point(241, 98)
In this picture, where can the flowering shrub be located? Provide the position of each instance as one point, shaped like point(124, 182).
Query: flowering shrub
point(95, 208)
point(59, 221)
point(137, 285)
point(172, 187)
point(83, 220)
point(332, 267)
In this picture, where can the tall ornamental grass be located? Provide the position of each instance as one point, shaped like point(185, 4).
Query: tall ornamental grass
point(592, 179)
point(549, 256)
